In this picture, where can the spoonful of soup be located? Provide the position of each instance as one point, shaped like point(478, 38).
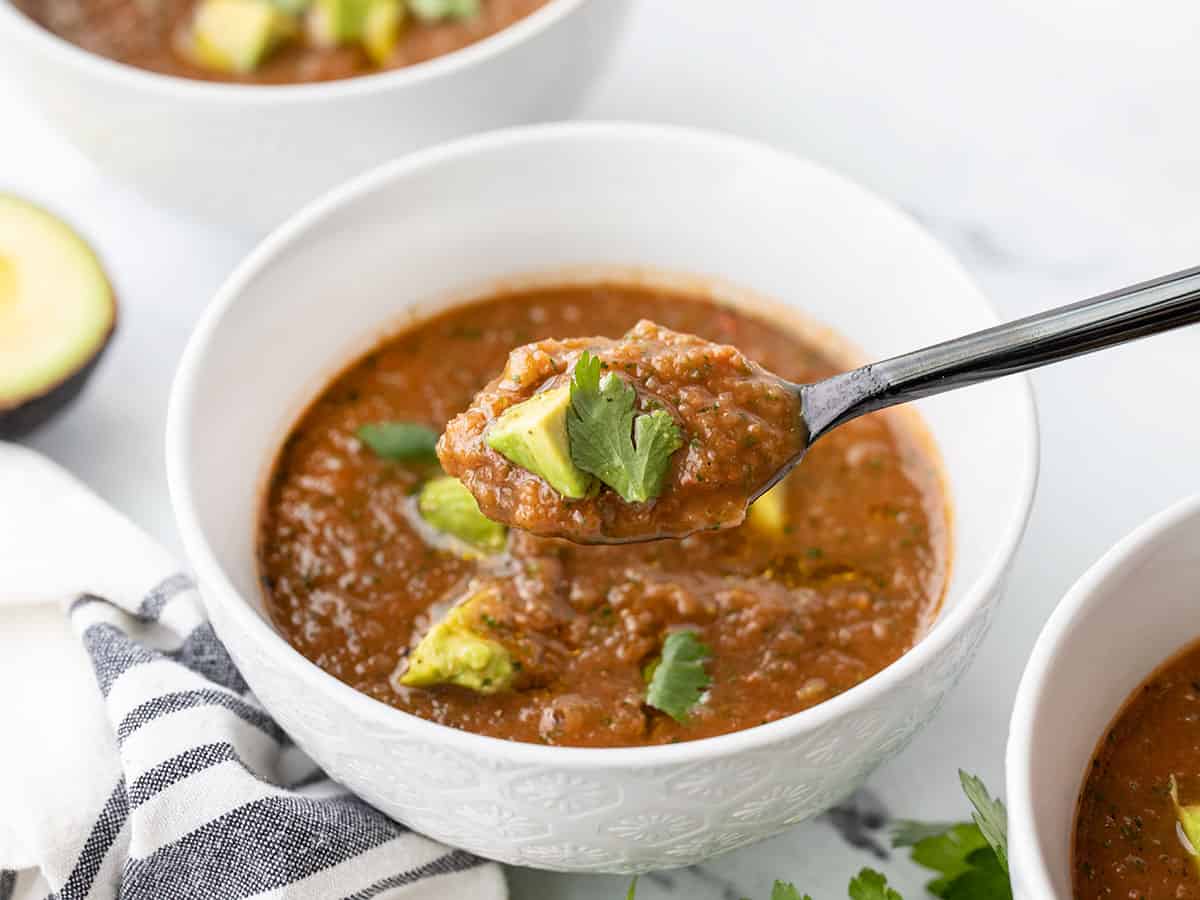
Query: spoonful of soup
point(660, 434)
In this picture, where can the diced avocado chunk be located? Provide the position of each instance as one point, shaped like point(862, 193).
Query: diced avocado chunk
point(381, 28)
point(447, 505)
point(292, 7)
point(431, 10)
point(453, 651)
point(334, 22)
point(1189, 820)
point(235, 36)
point(533, 435)
point(768, 514)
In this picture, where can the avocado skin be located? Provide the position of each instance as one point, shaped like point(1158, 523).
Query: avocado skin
point(29, 414)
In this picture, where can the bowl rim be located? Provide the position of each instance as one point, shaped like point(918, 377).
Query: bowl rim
point(93, 65)
point(1027, 850)
point(311, 217)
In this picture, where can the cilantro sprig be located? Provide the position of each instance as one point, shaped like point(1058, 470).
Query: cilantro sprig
point(630, 453)
point(403, 441)
point(970, 858)
point(989, 815)
point(677, 680)
point(871, 885)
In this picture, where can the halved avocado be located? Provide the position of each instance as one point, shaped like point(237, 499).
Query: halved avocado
point(57, 313)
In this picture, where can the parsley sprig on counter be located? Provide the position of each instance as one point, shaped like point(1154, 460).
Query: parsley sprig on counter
point(970, 858)
point(630, 453)
point(677, 679)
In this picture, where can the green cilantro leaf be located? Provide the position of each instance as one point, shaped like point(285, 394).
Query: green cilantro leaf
point(404, 441)
point(678, 680)
point(629, 455)
point(871, 885)
point(632, 889)
point(989, 815)
point(785, 891)
point(985, 879)
point(908, 833)
point(969, 857)
point(943, 848)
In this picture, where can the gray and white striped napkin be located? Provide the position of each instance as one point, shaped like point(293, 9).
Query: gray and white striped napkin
point(185, 787)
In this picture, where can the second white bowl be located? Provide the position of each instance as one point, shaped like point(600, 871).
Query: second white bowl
point(246, 156)
point(1127, 615)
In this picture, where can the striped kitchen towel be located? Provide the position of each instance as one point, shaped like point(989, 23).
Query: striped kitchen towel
point(180, 785)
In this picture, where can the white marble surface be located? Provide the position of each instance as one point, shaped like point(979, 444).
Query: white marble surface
point(1051, 143)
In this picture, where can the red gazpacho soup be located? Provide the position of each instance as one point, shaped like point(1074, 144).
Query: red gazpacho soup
point(1137, 827)
point(380, 566)
point(274, 41)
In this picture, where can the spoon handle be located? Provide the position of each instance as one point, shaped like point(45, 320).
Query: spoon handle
point(1104, 321)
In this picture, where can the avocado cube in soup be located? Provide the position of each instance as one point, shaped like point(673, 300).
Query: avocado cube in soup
point(382, 26)
point(235, 36)
point(334, 22)
point(447, 505)
point(456, 651)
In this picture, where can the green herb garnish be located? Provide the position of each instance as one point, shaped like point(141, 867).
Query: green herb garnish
point(630, 454)
point(989, 815)
point(782, 890)
point(951, 852)
point(871, 885)
point(677, 680)
point(402, 441)
point(969, 857)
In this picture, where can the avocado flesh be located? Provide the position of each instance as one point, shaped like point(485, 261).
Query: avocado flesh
point(382, 25)
point(433, 10)
point(533, 435)
point(335, 22)
point(235, 36)
point(57, 312)
point(454, 651)
point(768, 514)
point(1189, 820)
point(447, 505)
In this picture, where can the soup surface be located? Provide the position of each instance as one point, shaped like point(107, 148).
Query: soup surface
point(1127, 844)
point(150, 34)
point(792, 612)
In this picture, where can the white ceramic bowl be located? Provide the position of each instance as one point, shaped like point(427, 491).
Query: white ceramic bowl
point(1127, 615)
point(414, 234)
point(246, 156)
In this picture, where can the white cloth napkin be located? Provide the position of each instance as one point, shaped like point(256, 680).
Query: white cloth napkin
point(172, 781)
